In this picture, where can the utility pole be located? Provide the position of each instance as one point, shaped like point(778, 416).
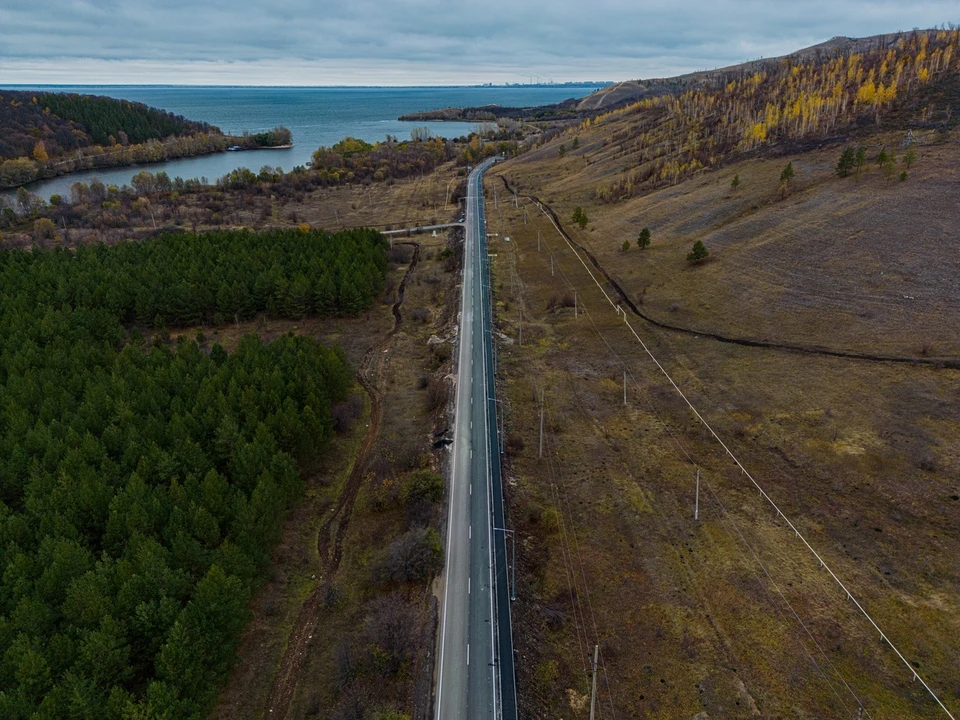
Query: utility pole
point(624, 388)
point(551, 264)
point(593, 690)
point(696, 502)
point(503, 431)
point(541, 424)
point(516, 201)
point(524, 214)
point(538, 240)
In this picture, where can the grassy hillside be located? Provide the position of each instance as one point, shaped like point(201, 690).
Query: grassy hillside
point(817, 339)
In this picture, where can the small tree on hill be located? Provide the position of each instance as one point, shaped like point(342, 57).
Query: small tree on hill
point(576, 142)
point(643, 240)
point(563, 150)
point(698, 254)
point(735, 183)
point(910, 155)
point(889, 170)
point(625, 246)
point(785, 177)
point(847, 160)
point(580, 217)
point(861, 160)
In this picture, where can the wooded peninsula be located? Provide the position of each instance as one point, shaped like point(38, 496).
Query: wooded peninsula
point(48, 134)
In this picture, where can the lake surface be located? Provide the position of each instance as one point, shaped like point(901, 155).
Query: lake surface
point(316, 116)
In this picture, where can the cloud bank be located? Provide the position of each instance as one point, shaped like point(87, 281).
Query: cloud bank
point(401, 42)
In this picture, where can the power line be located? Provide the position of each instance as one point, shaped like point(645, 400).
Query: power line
point(756, 557)
point(763, 493)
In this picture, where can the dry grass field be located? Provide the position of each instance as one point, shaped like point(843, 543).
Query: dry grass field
point(862, 266)
point(731, 615)
point(426, 200)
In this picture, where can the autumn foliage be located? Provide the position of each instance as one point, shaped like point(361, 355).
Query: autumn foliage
point(673, 136)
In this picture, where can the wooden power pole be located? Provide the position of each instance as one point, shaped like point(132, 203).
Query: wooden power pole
point(593, 690)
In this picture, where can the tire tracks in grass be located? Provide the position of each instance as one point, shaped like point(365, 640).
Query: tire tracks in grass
point(334, 528)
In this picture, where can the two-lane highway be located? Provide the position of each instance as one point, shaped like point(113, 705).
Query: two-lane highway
point(469, 684)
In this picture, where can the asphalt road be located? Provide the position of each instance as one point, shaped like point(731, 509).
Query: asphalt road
point(469, 672)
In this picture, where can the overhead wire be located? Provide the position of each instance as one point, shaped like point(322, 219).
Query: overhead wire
point(684, 452)
point(916, 676)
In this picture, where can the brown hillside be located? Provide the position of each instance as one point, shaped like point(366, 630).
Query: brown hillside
point(818, 340)
point(861, 266)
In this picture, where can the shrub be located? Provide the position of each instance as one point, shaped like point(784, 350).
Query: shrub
point(412, 558)
point(580, 217)
point(391, 632)
point(699, 252)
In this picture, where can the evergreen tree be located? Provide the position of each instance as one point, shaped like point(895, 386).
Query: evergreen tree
point(846, 162)
point(698, 254)
point(643, 240)
point(861, 160)
point(580, 217)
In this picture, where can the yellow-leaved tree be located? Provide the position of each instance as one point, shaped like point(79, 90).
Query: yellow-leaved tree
point(40, 152)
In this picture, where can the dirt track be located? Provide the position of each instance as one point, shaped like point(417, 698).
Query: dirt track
point(334, 528)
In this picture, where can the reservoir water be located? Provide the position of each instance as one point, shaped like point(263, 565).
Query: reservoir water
point(315, 115)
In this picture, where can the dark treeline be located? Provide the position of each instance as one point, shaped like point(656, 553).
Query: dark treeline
point(24, 122)
point(185, 279)
point(271, 138)
point(65, 122)
point(142, 489)
point(105, 118)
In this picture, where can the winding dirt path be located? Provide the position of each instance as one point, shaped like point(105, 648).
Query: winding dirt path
point(334, 528)
point(747, 342)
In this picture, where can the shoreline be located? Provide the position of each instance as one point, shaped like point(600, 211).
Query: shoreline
point(38, 180)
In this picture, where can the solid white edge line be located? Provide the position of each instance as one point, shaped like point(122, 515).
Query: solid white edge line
point(486, 437)
point(453, 479)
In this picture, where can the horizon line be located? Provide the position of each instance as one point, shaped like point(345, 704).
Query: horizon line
point(568, 83)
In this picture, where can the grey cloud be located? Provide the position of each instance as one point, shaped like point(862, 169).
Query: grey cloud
point(560, 39)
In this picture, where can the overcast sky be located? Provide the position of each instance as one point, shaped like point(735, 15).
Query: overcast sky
point(426, 42)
